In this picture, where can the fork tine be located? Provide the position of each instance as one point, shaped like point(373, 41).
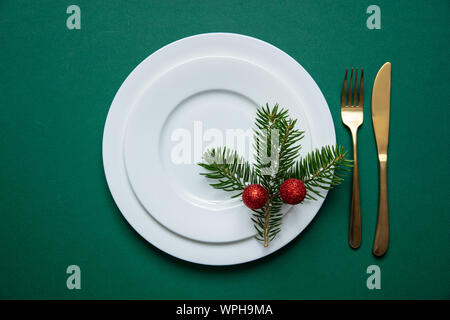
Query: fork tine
point(354, 89)
point(344, 90)
point(349, 102)
point(361, 89)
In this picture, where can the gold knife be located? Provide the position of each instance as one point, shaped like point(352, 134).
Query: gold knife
point(381, 95)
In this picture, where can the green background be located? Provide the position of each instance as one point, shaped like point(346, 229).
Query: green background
point(56, 86)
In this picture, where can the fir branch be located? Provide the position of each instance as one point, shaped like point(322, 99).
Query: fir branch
point(321, 170)
point(276, 145)
point(231, 171)
point(276, 142)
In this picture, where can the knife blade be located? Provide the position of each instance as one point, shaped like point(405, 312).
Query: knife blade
point(381, 96)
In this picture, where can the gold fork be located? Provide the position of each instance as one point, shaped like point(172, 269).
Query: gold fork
point(352, 117)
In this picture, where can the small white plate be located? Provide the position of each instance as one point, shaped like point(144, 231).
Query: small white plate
point(216, 95)
point(192, 79)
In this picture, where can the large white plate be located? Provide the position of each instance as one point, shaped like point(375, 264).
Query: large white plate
point(169, 90)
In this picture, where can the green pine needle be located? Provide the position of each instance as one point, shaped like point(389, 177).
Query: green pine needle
point(231, 172)
point(321, 169)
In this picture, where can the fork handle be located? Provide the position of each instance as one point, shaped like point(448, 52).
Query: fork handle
point(380, 244)
point(354, 236)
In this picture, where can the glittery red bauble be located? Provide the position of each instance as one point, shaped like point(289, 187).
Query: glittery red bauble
point(255, 196)
point(292, 191)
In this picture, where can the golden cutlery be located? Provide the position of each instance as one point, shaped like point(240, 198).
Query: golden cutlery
point(352, 117)
point(381, 95)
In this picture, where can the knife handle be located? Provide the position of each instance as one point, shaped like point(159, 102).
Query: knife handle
point(380, 244)
point(354, 235)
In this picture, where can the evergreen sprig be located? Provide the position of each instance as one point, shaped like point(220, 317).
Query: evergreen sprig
point(277, 144)
point(231, 171)
point(321, 169)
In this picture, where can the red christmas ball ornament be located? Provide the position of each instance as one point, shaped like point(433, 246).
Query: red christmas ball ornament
point(293, 191)
point(255, 196)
